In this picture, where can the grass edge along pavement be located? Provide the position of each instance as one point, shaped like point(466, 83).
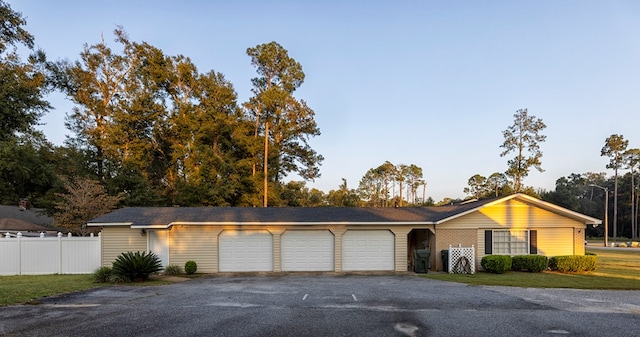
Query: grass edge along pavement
point(617, 270)
point(27, 289)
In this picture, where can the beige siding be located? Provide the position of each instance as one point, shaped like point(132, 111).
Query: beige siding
point(578, 244)
point(555, 241)
point(276, 234)
point(512, 214)
point(337, 254)
point(401, 236)
point(116, 240)
point(197, 243)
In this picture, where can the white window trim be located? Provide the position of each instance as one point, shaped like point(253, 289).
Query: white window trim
point(511, 252)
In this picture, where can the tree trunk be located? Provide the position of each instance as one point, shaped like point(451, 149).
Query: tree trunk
point(266, 162)
point(633, 220)
point(615, 205)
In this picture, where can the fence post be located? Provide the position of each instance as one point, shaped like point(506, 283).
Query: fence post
point(19, 245)
point(59, 253)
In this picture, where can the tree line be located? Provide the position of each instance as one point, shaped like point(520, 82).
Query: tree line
point(150, 129)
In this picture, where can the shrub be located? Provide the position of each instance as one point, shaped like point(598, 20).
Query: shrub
point(496, 264)
point(573, 263)
point(136, 266)
point(172, 269)
point(190, 267)
point(114, 278)
point(532, 263)
point(102, 275)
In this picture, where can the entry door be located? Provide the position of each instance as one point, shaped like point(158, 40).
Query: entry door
point(159, 245)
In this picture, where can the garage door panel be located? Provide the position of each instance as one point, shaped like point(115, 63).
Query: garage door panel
point(368, 250)
point(245, 251)
point(307, 250)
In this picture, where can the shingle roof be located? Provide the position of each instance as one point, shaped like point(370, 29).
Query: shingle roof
point(32, 215)
point(12, 224)
point(147, 216)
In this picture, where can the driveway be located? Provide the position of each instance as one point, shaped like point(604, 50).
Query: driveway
point(326, 305)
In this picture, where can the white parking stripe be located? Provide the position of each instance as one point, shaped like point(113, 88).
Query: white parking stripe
point(354, 297)
point(305, 297)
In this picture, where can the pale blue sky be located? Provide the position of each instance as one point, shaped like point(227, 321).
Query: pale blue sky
point(431, 83)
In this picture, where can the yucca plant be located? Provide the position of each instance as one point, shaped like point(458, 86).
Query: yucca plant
point(102, 274)
point(173, 270)
point(136, 266)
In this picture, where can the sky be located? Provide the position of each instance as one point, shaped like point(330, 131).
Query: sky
point(430, 83)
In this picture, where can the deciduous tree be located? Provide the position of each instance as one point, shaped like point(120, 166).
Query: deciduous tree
point(23, 85)
point(84, 199)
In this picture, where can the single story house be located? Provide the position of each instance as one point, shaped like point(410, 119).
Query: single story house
point(275, 239)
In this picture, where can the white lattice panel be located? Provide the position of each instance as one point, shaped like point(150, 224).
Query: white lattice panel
point(462, 260)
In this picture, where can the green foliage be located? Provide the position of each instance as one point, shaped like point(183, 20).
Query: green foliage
point(102, 275)
point(532, 263)
point(283, 122)
point(190, 267)
point(496, 264)
point(524, 135)
point(26, 169)
point(172, 270)
point(136, 266)
point(376, 185)
point(573, 263)
point(24, 84)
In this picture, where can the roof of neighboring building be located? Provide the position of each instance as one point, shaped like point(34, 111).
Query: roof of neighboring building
point(33, 216)
point(167, 216)
point(12, 224)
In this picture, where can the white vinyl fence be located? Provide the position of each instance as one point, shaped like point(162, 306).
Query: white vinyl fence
point(49, 255)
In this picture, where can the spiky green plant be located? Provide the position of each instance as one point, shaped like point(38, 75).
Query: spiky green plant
point(102, 274)
point(173, 270)
point(136, 266)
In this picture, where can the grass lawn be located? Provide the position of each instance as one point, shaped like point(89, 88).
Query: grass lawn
point(28, 288)
point(617, 269)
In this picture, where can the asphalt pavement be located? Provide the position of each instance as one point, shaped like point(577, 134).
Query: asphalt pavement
point(326, 305)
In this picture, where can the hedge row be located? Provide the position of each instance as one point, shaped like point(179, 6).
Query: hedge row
point(499, 264)
point(532, 263)
point(573, 263)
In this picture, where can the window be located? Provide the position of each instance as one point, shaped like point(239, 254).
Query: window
point(510, 242)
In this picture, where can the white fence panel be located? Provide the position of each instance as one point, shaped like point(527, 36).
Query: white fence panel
point(78, 257)
point(49, 255)
point(9, 257)
point(39, 256)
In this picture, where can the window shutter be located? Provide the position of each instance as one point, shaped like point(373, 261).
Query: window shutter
point(488, 242)
point(533, 242)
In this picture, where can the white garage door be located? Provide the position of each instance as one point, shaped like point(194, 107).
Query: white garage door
point(245, 251)
point(368, 250)
point(307, 250)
